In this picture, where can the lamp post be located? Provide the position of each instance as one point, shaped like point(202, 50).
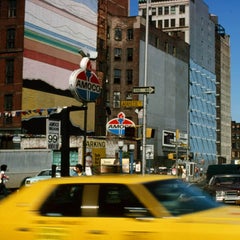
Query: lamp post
point(120, 146)
point(131, 149)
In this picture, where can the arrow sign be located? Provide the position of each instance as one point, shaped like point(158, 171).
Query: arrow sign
point(143, 90)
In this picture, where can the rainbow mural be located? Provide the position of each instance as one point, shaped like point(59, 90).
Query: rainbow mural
point(54, 31)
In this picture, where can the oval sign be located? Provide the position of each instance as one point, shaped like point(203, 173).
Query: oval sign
point(84, 85)
point(117, 125)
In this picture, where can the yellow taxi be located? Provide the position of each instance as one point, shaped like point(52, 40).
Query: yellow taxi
point(116, 207)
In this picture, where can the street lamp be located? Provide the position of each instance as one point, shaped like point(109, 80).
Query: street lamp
point(120, 146)
point(131, 149)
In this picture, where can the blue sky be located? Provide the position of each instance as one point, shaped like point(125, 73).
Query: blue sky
point(229, 17)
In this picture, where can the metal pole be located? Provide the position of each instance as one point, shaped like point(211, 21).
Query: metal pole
point(84, 149)
point(145, 95)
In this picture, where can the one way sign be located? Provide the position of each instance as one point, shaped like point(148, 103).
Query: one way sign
point(144, 90)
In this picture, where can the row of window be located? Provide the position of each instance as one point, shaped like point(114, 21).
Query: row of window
point(168, 10)
point(118, 53)
point(117, 98)
point(117, 76)
point(118, 34)
point(166, 23)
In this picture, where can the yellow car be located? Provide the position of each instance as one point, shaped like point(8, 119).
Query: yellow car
point(116, 207)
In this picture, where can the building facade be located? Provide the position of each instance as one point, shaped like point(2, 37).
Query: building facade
point(223, 93)
point(235, 141)
point(11, 64)
point(39, 51)
point(168, 59)
point(191, 21)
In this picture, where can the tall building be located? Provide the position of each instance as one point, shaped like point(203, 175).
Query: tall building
point(11, 64)
point(223, 90)
point(105, 9)
point(191, 21)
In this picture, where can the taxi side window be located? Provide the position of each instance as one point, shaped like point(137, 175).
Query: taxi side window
point(65, 200)
point(116, 200)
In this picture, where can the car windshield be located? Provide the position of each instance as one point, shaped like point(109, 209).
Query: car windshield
point(179, 197)
point(48, 173)
point(228, 180)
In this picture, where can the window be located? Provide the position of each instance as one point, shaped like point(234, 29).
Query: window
point(182, 22)
point(160, 11)
point(159, 23)
point(118, 34)
point(12, 8)
point(116, 100)
point(129, 54)
point(10, 38)
point(8, 106)
point(116, 200)
point(101, 44)
point(166, 10)
point(117, 54)
point(179, 199)
point(153, 11)
point(108, 32)
point(9, 71)
point(130, 34)
point(8, 102)
point(129, 74)
point(173, 22)
point(117, 76)
point(173, 10)
point(166, 46)
point(166, 23)
point(182, 9)
point(129, 95)
point(65, 200)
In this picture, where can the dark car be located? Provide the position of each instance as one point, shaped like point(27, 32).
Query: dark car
point(215, 169)
point(224, 188)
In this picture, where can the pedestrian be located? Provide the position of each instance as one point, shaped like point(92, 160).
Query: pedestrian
point(3, 179)
point(79, 170)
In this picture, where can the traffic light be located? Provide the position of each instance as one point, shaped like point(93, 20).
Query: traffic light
point(130, 132)
point(172, 156)
point(150, 132)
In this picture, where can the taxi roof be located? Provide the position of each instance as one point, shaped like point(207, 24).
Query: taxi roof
point(108, 178)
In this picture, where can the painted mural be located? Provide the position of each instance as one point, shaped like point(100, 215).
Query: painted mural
point(55, 31)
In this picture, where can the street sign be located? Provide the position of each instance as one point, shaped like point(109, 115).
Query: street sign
point(144, 90)
point(53, 134)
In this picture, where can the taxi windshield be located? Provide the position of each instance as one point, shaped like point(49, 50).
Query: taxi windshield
point(179, 197)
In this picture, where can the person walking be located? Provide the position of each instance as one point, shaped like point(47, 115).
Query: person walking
point(3, 179)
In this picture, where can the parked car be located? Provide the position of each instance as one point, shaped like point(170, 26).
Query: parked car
point(43, 175)
point(215, 169)
point(116, 207)
point(225, 188)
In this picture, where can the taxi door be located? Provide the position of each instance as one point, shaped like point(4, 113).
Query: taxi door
point(112, 211)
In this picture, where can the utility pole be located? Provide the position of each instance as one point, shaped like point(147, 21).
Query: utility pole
point(145, 95)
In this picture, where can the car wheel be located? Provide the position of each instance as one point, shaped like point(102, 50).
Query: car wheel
point(23, 182)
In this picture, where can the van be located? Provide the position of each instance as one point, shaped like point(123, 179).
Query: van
point(222, 169)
